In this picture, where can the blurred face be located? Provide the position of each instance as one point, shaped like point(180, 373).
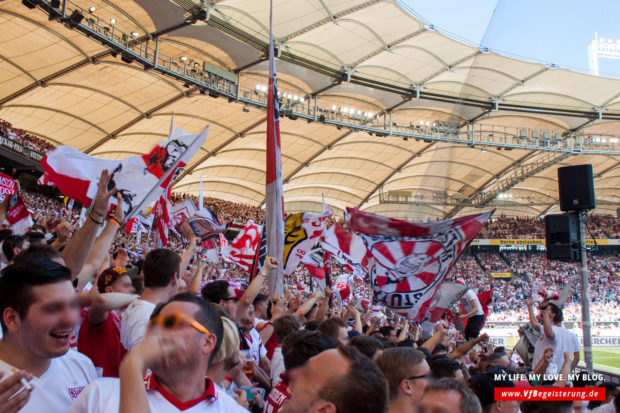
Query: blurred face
point(122, 285)
point(261, 310)
point(230, 303)
point(441, 402)
point(419, 385)
point(512, 406)
point(307, 381)
point(46, 330)
point(198, 345)
point(246, 322)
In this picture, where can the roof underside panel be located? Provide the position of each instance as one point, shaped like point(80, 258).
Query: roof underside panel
point(364, 58)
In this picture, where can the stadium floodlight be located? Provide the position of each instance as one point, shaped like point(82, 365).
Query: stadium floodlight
point(334, 107)
point(112, 20)
point(91, 9)
point(302, 99)
point(75, 19)
point(183, 58)
point(135, 34)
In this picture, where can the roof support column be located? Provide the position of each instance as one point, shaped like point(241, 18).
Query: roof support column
point(156, 55)
point(390, 122)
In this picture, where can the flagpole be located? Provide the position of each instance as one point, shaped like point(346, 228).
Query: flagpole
point(274, 203)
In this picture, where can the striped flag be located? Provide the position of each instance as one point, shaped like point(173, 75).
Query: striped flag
point(274, 203)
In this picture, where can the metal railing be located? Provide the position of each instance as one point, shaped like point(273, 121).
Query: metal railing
point(146, 51)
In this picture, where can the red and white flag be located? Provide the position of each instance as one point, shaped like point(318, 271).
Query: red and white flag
point(302, 232)
point(163, 220)
point(140, 180)
point(347, 248)
point(408, 262)
point(274, 200)
point(45, 180)
point(242, 249)
point(7, 185)
point(18, 215)
point(447, 295)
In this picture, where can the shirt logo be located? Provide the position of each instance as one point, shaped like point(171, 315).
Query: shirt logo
point(74, 392)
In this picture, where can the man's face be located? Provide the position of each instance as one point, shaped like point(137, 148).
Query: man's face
point(441, 402)
point(261, 310)
point(419, 385)
point(307, 381)
point(46, 330)
point(192, 338)
point(246, 322)
point(512, 406)
point(122, 285)
point(230, 303)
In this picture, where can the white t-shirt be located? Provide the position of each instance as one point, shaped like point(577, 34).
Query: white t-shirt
point(61, 384)
point(466, 300)
point(257, 348)
point(564, 340)
point(276, 368)
point(104, 396)
point(133, 322)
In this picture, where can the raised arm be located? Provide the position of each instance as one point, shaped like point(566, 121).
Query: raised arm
point(101, 247)
point(547, 323)
point(530, 309)
point(254, 288)
point(76, 252)
point(437, 338)
point(464, 348)
point(324, 306)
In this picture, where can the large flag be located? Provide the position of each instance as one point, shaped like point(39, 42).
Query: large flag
point(141, 180)
point(302, 232)
point(242, 249)
point(163, 219)
point(408, 262)
point(313, 261)
point(274, 201)
point(347, 248)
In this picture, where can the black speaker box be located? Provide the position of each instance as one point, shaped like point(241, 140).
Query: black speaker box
point(576, 187)
point(562, 235)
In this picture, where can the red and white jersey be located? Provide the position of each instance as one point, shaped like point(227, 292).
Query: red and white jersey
point(104, 395)
point(278, 396)
point(257, 348)
point(61, 384)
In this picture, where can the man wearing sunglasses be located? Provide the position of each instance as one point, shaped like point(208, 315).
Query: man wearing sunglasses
point(181, 338)
point(406, 371)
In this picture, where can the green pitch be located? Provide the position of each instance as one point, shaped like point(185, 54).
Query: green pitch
point(604, 358)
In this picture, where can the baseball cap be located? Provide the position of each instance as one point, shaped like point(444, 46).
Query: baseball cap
point(108, 276)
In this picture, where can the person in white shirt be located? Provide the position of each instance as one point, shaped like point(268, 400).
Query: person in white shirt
point(473, 312)
point(39, 310)
point(160, 269)
point(252, 345)
point(553, 336)
point(177, 348)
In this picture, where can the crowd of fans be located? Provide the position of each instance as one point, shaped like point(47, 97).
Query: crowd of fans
point(24, 138)
point(599, 227)
point(80, 299)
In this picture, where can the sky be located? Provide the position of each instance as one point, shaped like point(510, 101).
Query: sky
point(546, 31)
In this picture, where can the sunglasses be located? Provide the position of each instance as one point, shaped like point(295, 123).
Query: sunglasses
point(424, 376)
point(235, 299)
point(176, 320)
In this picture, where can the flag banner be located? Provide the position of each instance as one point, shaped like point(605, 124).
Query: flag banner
point(131, 226)
point(301, 232)
point(242, 249)
point(45, 180)
point(201, 222)
point(163, 220)
point(409, 261)
point(140, 180)
point(274, 198)
point(7, 185)
point(501, 274)
point(18, 215)
point(447, 295)
point(347, 248)
point(260, 255)
point(313, 261)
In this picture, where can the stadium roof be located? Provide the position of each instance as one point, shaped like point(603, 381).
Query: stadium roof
point(380, 111)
